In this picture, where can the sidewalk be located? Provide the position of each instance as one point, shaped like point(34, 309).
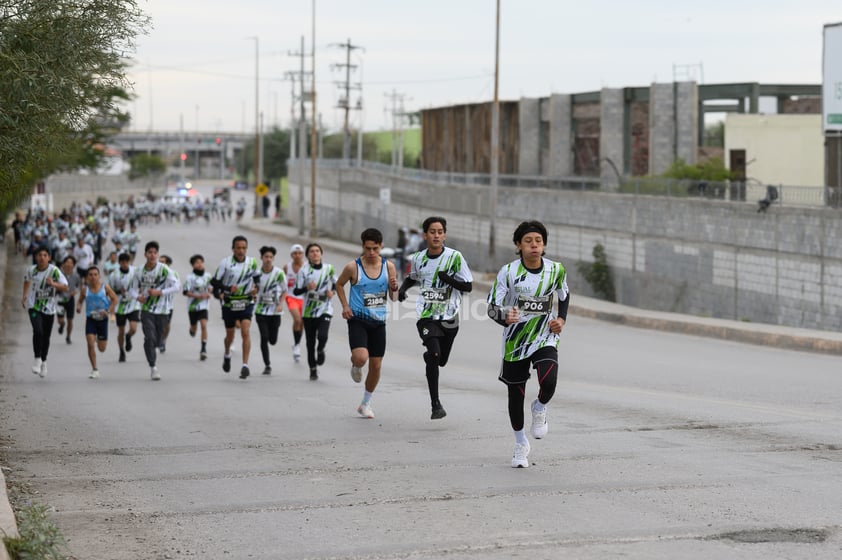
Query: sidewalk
point(8, 525)
point(789, 338)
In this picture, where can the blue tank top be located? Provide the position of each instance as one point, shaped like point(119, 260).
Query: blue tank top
point(368, 295)
point(96, 301)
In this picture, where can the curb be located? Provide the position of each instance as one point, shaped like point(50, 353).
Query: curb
point(8, 524)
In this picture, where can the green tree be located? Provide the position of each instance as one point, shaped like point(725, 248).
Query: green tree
point(275, 156)
point(62, 76)
point(710, 170)
point(147, 165)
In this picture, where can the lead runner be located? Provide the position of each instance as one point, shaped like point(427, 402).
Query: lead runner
point(521, 300)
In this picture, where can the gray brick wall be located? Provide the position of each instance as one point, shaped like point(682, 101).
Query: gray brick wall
point(611, 132)
point(529, 130)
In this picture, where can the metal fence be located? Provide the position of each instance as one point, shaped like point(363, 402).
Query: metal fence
point(751, 191)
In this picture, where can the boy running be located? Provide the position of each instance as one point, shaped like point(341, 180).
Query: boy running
point(269, 309)
point(197, 288)
point(316, 281)
point(41, 284)
point(100, 301)
point(124, 282)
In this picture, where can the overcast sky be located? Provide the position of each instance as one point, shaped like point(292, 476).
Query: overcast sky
point(197, 64)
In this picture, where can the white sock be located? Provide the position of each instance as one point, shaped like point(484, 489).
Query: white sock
point(538, 407)
point(367, 396)
point(520, 437)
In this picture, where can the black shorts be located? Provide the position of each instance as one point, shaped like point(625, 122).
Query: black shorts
point(122, 318)
point(196, 316)
point(230, 317)
point(69, 307)
point(514, 373)
point(369, 335)
point(432, 328)
point(98, 327)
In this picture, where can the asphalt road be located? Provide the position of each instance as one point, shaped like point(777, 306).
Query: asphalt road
point(660, 446)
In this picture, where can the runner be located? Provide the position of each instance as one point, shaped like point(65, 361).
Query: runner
point(372, 277)
point(443, 276)
point(236, 280)
point(67, 300)
point(272, 286)
point(295, 303)
point(155, 280)
point(521, 300)
point(84, 255)
point(316, 281)
point(169, 301)
point(100, 301)
point(41, 284)
point(197, 288)
point(124, 282)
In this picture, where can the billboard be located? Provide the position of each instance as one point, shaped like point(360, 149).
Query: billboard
point(832, 79)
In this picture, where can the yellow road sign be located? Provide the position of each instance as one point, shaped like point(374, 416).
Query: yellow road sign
point(262, 189)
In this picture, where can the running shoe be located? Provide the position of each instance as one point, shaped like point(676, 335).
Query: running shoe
point(154, 374)
point(122, 356)
point(438, 412)
point(43, 372)
point(36, 366)
point(226, 364)
point(67, 340)
point(296, 352)
point(203, 355)
point(61, 328)
point(520, 457)
point(267, 370)
point(128, 343)
point(94, 374)
point(365, 411)
point(320, 357)
point(193, 333)
point(539, 420)
point(314, 374)
point(244, 372)
point(356, 374)
point(162, 349)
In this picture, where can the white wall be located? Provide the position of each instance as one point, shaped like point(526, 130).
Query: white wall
point(781, 149)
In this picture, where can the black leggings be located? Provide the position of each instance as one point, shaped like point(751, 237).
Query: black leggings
point(316, 328)
point(547, 372)
point(436, 356)
point(42, 328)
point(268, 326)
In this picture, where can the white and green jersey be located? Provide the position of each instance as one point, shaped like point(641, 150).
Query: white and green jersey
point(270, 289)
point(126, 286)
point(41, 297)
point(437, 300)
point(316, 302)
point(532, 292)
point(130, 241)
point(169, 299)
point(196, 284)
point(243, 275)
point(161, 277)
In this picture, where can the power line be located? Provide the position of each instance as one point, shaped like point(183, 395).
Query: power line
point(345, 102)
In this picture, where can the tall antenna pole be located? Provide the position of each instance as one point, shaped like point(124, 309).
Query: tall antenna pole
point(313, 151)
point(495, 144)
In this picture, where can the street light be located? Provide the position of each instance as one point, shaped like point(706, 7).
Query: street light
point(257, 177)
point(495, 144)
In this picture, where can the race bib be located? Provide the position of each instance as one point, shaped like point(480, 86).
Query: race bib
point(239, 304)
point(435, 295)
point(98, 315)
point(374, 300)
point(530, 305)
point(268, 299)
point(316, 296)
point(45, 293)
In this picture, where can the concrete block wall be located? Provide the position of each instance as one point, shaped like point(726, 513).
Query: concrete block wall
point(611, 136)
point(687, 120)
point(560, 162)
point(703, 257)
point(529, 130)
point(662, 127)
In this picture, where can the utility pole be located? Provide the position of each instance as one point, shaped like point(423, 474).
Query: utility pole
point(313, 231)
point(303, 98)
point(257, 177)
point(345, 101)
point(398, 115)
point(495, 145)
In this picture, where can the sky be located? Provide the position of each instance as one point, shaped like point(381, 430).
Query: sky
point(195, 69)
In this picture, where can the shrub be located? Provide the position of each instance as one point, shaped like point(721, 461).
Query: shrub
point(598, 274)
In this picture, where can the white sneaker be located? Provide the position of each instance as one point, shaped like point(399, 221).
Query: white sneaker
point(296, 352)
point(36, 366)
point(356, 374)
point(520, 456)
point(94, 374)
point(43, 372)
point(539, 420)
point(365, 411)
point(154, 373)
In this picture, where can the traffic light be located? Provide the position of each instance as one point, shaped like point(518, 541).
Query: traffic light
point(218, 140)
point(183, 157)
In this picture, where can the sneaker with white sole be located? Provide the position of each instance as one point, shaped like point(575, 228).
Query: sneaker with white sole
point(153, 373)
point(356, 374)
point(296, 352)
point(94, 374)
point(365, 411)
point(36, 366)
point(539, 420)
point(520, 457)
point(43, 372)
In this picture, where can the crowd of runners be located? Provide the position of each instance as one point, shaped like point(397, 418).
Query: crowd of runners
point(529, 299)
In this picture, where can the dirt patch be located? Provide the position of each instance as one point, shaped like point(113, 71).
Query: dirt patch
point(775, 535)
